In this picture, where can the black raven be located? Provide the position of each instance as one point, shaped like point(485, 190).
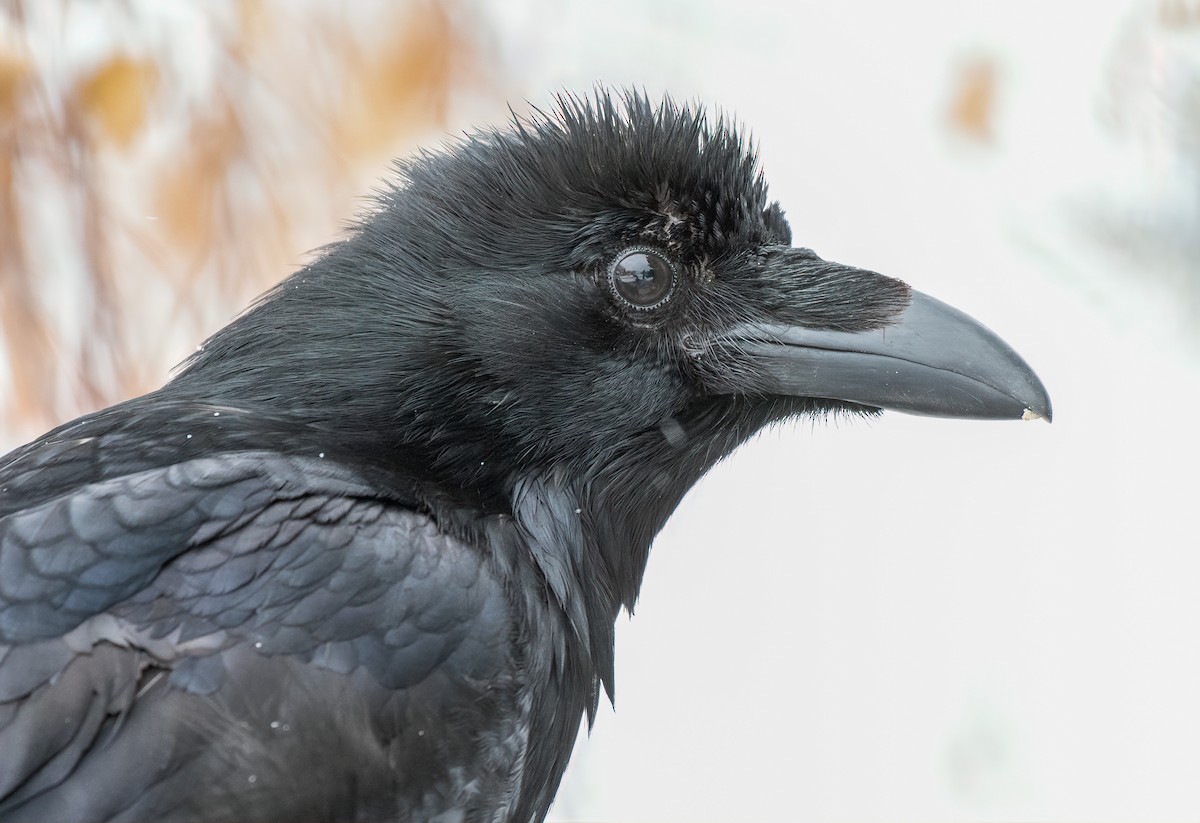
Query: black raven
point(362, 557)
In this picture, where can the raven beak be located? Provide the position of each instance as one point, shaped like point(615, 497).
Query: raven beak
point(932, 359)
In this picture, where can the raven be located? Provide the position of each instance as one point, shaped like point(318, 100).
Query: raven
point(361, 558)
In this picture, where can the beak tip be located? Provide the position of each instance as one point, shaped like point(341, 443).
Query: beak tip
point(1037, 408)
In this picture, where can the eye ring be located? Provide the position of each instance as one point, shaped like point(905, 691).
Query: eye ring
point(642, 278)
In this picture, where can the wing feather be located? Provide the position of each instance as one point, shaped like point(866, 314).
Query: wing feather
point(260, 585)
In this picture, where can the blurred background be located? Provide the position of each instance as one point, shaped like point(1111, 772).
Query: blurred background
point(906, 619)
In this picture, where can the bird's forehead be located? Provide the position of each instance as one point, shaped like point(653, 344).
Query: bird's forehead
point(578, 181)
point(705, 212)
point(668, 177)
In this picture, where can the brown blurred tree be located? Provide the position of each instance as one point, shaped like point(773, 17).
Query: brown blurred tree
point(163, 163)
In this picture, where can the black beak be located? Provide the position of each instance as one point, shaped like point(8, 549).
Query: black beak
point(931, 359)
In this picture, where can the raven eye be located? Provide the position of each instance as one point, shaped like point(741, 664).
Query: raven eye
point(642, 278)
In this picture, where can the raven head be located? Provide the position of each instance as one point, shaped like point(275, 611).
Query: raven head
point(614, 273)
point(603, 295)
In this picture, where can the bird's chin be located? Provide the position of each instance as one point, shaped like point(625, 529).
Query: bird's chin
point(931, 360)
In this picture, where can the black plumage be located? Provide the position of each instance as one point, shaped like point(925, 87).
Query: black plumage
point(362, 557)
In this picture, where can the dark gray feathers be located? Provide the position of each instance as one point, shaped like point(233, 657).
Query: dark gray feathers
point(361, 559)
point(210, 603)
